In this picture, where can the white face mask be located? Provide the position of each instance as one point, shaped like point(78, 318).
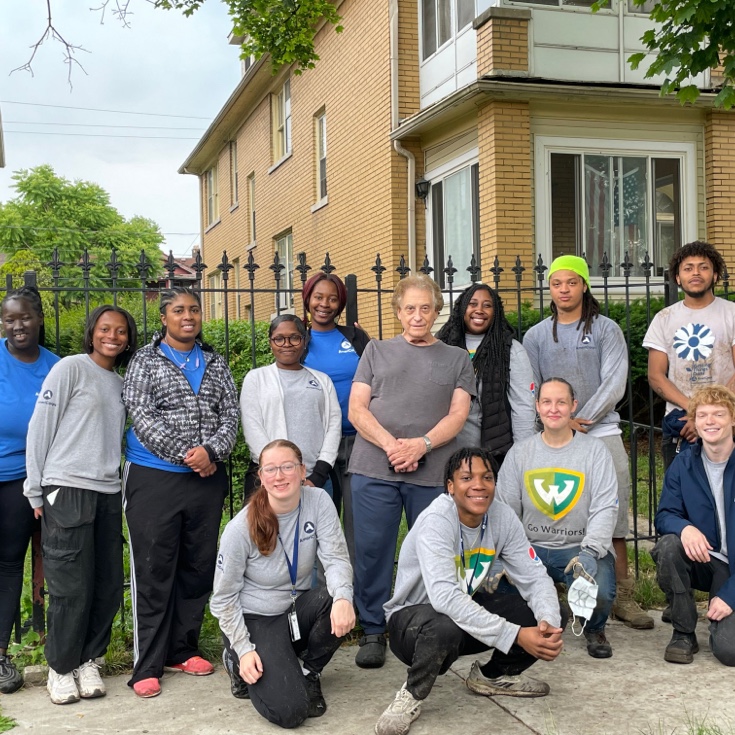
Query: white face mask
point(582, 598)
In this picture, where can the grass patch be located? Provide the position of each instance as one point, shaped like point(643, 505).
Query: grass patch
point(6, 723)
point(694, 725)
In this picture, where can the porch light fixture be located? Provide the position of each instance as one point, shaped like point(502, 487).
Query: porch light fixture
point(422, 189)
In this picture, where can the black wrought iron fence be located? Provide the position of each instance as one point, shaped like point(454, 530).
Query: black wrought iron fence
point(629, 299)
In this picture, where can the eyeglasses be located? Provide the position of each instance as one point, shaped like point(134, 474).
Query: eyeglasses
point(293, 339)
point(287, 468)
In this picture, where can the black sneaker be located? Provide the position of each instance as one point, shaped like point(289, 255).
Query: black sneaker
point(317, 705)
point(681, 648)
point(238, 687)
point(666, 614)
point(372, 651)
point(10, 678)
point(597, 645)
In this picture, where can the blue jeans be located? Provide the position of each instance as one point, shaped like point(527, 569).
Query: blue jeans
point(377, 506)
point(555, 560)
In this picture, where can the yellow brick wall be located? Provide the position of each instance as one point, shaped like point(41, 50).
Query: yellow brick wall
point(719, 155)
point(506, 217)
point(366, 178)
point(502, 45)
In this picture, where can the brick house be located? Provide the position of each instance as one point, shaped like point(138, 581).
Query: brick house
point(532, 131)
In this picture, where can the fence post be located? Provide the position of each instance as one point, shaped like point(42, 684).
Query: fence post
point(351, 308)
point(671, 290)
point(29, 278)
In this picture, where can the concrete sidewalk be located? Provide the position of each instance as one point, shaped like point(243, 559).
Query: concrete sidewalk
point(634, 692)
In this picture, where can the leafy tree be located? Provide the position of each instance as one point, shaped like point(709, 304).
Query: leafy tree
point(283, 28)
point(691, 36)
point(77, 220)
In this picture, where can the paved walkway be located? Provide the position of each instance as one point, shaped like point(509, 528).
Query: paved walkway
point(633, 693)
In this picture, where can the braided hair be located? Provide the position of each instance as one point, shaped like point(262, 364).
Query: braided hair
point(492, 352)
point(590, 312)
point(467, 454)
point(33, 297)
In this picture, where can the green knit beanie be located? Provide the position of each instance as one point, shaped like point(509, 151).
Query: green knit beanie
point(570, 263)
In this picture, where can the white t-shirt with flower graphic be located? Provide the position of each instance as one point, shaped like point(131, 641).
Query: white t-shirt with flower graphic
point(698, 343)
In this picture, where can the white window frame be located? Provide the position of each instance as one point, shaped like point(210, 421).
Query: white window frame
point(234, 188)
point(284, 248)
point(212, 186)
point(282, 122)
point(320, 150)
point(544, 146)
point(216, 310)
point(238, 296)
point(454, 31)
point(251, 208)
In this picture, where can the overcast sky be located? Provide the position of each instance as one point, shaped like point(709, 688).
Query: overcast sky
point(164, 64)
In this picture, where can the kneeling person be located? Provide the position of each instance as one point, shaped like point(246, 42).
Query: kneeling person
point(696, 519)
point(563, 487)
point(443, 606)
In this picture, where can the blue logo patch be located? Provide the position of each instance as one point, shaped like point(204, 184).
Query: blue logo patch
point(308, 527)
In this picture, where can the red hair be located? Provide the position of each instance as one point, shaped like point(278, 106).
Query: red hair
point(310, 285)
point(262, 521)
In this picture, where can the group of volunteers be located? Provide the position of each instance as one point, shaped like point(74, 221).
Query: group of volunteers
point(502, 516)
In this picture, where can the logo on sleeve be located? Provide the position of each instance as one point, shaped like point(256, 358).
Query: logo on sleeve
point(554, 492)
point(534, 556)
point(220, 562)
point(694, 342)
point(48, 394)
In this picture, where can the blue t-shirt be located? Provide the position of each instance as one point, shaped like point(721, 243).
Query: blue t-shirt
point(193, 371)
point(333, 354)
point(20, 383)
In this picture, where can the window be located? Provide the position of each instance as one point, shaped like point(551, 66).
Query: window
point(608, 203)
point(251, 206)
point(246, 63)
point(215, 296)
point(558, 3)
point(212, 186)
point(281, 114)
point(233, 174)
point(455, 222)
point(645, 8)
point(320, 131)
point(284, 248)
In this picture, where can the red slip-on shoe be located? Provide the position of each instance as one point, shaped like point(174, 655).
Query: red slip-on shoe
point(147, 688)
point(196, 666)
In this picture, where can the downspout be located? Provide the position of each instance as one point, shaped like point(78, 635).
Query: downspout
point(410, 158)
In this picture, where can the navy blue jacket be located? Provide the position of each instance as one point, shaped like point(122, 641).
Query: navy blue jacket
point(688, 500)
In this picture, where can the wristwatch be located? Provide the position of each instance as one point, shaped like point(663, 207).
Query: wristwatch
point(427, 441)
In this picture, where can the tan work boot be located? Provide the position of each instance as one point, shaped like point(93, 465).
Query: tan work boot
point(625, 608)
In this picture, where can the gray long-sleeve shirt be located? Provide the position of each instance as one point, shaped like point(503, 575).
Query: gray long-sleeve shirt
point(76, 430)
point(246, 582)
point(565, 496)
point(596, 364)
point(430, 571)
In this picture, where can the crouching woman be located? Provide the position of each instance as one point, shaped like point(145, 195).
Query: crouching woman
point(282, 632)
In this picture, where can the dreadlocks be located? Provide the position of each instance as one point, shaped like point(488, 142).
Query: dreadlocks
point(590, 312)
point(492, 350)
point(467, 454)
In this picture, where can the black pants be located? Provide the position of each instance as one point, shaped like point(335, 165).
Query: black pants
point(345, 491)
point(677, 575)
point(16, 528)
point(429, 642)
point(81, 540)
point(173, 521)
point(280, 694)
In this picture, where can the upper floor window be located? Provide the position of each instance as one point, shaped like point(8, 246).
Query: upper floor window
point(233, 174)
point(216, 310)
point(251, 206)
point(441, 19)
point(644, 8)
point(320, 132)
point(559, 3)
point(281, 115)
point(212, 193)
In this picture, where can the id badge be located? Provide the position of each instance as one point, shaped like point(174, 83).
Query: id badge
point(293, 625)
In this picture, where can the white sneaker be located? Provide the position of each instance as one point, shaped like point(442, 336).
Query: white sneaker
point(62, 688)
point(89, 681)
point(511, 686)
point(397, 719)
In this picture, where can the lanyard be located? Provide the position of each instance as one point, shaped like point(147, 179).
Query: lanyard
point(477, 557)
point(293, 562)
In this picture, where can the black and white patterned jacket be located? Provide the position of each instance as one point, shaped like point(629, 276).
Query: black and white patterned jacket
point(168, 417)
